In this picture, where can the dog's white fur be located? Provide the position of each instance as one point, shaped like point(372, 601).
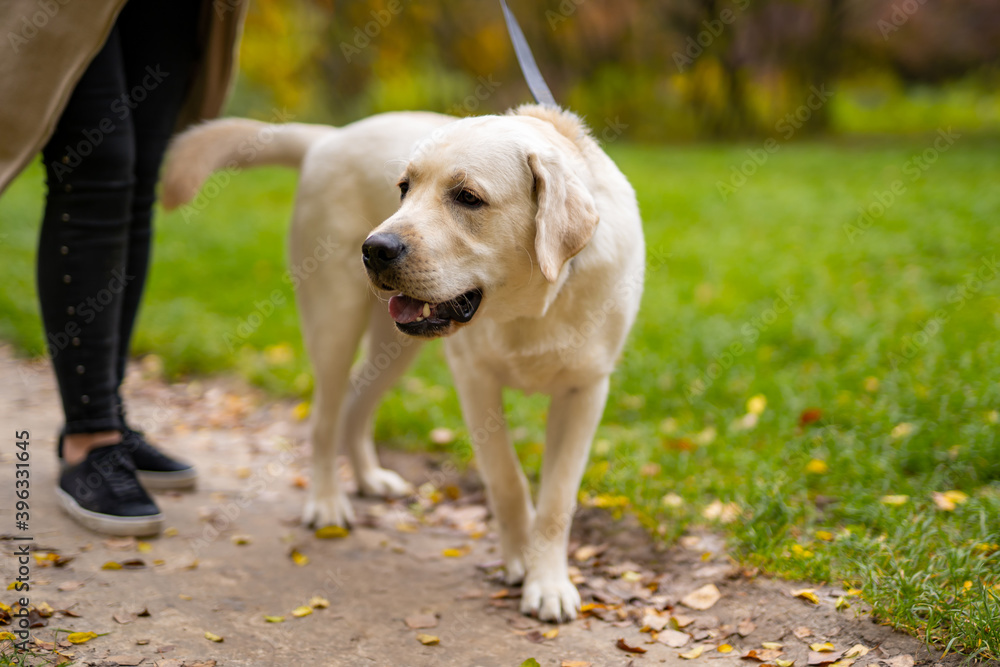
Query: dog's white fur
point(557, 252)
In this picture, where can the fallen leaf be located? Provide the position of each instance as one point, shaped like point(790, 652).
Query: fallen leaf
point(810, 415)
point(331, 532)
point(111, 565)
point(133, 564)
point(949, 500)
point(673, 638)
point(299, 558)
point(802, 632)
point(574, 663)
point(123, 619)
point(856, 651)
point(68, 586)
point(899, 661)
point(702, 598)
point(756, 404)
point(821, 648)
point(44, 609)
point(745, 627)
point(655, 621)
point(623, 645)
point(823, 657)
point(143, 547)
point(679, 622)
point(817, 467)
point(841, 603)
point(125, 660)
point(724, 648)
point(241, 540)
point(7, 635)
point(212, 637)
point(695, 652)
point(824, 535)
point(185, 596)
point(81, 637)
point(551, 634)
point(772, 646)
point(783, 663)
point(455, 553)
point(428, 640)
point(421, 621)
point(274, 619)
point(765, 655)
point(530, 662)
point(302, 611)
point(806, 594)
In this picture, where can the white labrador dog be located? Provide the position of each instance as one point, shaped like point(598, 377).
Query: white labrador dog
point(515, 236)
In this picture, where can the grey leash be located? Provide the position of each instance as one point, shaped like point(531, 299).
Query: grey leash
point(536, 82)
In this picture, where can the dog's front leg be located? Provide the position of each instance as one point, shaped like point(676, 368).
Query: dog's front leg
point(506, 487)
point(573, 419)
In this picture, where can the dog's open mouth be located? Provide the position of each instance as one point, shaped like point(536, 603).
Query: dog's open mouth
point(420, 318)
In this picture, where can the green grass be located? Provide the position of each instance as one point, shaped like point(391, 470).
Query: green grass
point(858, 343)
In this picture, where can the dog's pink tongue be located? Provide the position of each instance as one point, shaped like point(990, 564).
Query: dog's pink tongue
point(404, 309)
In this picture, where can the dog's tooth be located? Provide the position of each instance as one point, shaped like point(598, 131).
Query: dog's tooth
point(420, 318)
point(427, 310)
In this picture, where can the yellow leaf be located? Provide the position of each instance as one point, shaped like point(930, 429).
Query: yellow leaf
point(331, 532)
point(857, 651)
point(695, 652)
point(274, 619)
point(551, 634)
point(756, 404)
point(894, 499)
point(241, 540)
point(184, 596)
point(724, 648)
point(817, 467)
point(299, 558)
point(143, 547)
point(317, 602)
point(455, 553)
point(783, 663)
point(170, 532)
point(825, 647)
point(44, 609)
point(806, 594)
point(301, 411)
point(772, 646)
point(212, 637)
point(111, 565)
point(304, 610)
point(428, 640)
point(901, 430)
point(842, 603)
point(80, 637)
point(824, 535)
point(854, 591)
point(7, 635)
point(630, 575)
point(956, 497)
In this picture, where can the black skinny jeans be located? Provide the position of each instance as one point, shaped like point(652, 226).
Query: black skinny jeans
point(102, 165)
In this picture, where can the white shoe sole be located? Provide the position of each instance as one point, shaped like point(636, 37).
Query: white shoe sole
point(122, 526)
point(168, 481)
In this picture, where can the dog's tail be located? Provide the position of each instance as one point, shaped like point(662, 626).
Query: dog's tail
point(233, 143)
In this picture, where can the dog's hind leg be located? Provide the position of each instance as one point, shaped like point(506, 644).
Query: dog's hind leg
point(387, 355)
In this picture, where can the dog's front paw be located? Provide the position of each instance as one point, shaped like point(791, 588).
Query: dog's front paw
point(328, 510)
point(384, 483)
point(552, 597)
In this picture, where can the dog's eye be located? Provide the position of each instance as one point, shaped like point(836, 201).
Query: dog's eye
point(404, 187)
point(469, 198)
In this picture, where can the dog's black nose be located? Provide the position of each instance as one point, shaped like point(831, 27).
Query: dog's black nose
point(381, 250)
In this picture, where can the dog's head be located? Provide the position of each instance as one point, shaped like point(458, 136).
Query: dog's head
point(492, 209)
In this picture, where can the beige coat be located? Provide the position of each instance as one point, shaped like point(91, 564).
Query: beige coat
point(48, 44)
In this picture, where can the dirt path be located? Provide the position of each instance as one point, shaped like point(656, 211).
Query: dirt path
point(225, 563)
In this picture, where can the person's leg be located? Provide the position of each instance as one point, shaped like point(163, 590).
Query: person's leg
point(82, 246)
point(159, 48)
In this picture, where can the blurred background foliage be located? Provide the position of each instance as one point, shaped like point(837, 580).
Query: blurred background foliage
point(671, 70)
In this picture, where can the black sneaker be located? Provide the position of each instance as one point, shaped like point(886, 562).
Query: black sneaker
point(102, 493)
point(155, 469)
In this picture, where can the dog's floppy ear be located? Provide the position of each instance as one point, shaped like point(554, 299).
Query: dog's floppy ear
point(567, 215)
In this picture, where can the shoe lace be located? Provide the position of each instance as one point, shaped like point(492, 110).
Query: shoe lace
point(118, 471)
